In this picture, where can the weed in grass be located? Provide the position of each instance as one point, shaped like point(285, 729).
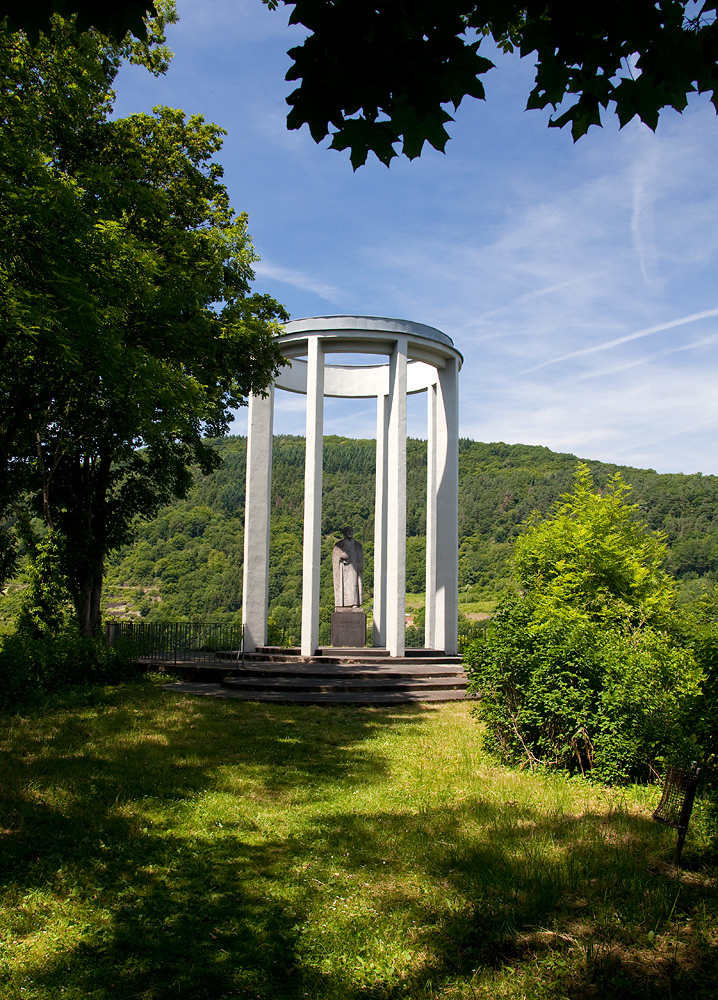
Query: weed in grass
point(158, 846)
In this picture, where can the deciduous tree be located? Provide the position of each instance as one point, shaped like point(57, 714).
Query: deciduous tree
point(129, 328)
point(594, 554)
point(376, 74)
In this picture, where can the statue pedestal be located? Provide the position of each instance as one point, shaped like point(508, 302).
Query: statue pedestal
point(349, 627)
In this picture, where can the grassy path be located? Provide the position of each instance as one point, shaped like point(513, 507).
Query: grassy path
point(163, 846)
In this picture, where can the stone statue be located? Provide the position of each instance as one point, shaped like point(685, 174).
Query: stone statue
point(348, 565)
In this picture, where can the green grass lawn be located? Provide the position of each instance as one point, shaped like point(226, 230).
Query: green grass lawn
point(156, 845)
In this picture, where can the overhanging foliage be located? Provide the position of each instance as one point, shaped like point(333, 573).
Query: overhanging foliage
point(375, 75)
point(380, 74)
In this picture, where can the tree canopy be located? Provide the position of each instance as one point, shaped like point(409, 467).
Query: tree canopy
point(377, 74)
point(112, 19)
point(129, 328)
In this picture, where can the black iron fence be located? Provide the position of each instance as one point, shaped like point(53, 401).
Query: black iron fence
point(207, 641)
point(415, 636)
point(178, 641)
point(470, 631)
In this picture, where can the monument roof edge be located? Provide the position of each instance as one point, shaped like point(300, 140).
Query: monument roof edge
point(343, 322)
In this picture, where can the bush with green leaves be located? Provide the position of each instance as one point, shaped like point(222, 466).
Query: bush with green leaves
point(583, 667)
point(594, 556)
point(46, 652)
point(700, 628)
point(534, 680)
point(30, 667)
point(46, 605)
point(649, 689)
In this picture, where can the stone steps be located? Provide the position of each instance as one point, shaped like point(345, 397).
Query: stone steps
point(336, 654)
point(316, 697)
point(375, 680)
point(396, 671)
point(342, 655)
point(359, 684)
point(190, 671)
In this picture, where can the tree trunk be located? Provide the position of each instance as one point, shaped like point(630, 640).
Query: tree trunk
point(87, 560)
point(90, 601)
point(45, 478)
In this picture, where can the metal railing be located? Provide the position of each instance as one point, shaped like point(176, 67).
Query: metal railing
point(471, 631)
point(203, 642)
point(199, 642)
point(414, 637)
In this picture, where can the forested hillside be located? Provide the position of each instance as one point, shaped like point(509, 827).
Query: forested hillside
point(190, 556)
point(187, 562)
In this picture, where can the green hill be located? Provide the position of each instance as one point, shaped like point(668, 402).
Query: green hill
point(187, 562)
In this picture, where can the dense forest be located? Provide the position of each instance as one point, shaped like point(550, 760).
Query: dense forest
point(187, 562)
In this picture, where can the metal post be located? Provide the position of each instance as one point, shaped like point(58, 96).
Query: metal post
point(686, 810)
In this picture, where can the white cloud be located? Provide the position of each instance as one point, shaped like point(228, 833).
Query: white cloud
point(297, 279)
point(645, 177)
point(664, 415)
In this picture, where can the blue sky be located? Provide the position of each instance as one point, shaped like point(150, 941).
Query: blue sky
point(580, 282)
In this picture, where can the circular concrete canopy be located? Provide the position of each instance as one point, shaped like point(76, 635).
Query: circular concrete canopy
point(428, 350)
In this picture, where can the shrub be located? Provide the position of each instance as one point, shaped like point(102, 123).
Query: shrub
point(535, 685)
point(46, 605)
point(701, 635)
point(30, 666)
point(594, 556)
point(565, 692)
point(649, 689)
point(578, 669)
point(46, 652)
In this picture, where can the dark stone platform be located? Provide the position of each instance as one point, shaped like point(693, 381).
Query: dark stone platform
point(348, 627)
point(346, 676)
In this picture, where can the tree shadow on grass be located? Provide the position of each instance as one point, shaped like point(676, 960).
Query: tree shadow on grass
point(65, 773)
point(578, 902)
point(148, 812)
point(89, 797)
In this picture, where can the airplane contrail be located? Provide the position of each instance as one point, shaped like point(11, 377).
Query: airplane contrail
point(647, 332)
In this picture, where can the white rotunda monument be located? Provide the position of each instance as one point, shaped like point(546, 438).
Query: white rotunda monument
point(419, 359)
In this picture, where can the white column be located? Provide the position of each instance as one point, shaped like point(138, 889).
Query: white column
point(396, 501)
point(313, 497)
point(380, 515)
point(257, 509)
point(430, 608)
point(447, 508)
